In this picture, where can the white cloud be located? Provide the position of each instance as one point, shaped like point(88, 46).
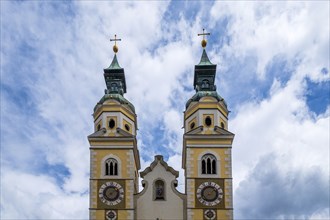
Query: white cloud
point(29, 196)
point(283, 125)
point(280, 191)
point(291, 29)
point(175, 162)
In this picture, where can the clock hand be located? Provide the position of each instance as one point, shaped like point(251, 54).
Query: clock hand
point(212, 190)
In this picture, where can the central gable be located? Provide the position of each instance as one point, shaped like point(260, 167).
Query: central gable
point(159, 198)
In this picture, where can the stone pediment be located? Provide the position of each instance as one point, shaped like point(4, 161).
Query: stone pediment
point(222, 131)
point(99, 133)
point(159, 159)
point(103, 133)
point(217, 131)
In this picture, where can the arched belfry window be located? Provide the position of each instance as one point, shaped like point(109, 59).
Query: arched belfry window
point(159, 190)
point(111, 167)
point(205, 84)
point(209, 164)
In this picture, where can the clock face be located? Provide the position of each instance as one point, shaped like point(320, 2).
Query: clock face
point(111, 193)
point(209, 194)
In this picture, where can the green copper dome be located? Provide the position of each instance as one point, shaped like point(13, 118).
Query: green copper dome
point(117, 97)
point(201, 94)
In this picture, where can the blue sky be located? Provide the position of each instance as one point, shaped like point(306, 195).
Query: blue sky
point(272, 69)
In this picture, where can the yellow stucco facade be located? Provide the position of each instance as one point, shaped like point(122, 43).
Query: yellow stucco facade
point(114, 162)
point(208, 138)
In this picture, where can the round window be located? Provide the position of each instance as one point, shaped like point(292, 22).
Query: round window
point(222, 125)
point(208, 121)
point(192, 125)
point(127, 127)
point(112, 123)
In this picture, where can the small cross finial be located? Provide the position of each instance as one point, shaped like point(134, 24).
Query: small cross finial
point(204, 42)
point(115, 48)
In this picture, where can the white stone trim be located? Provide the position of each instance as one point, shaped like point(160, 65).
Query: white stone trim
point(208, 112)
point(130, 214)
point(199, 116)
point(228, 167)
point(191, 117)
point(229, 214)
point(113, 146)
point(120, 116)
point(105, 115)
point(93, 194)
point(93, 165)
point(190, 193)
point(209, 145)
point(130, 121)
point(190, 214)
point(229, 192)
point(130, 164)
point(92, 214)
point(130, 194)
point(189, 162)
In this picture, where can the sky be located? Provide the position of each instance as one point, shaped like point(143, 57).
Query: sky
point(272, 69)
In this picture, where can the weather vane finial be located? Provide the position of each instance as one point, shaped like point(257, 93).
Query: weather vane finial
point(204, 42)
point(115, 48)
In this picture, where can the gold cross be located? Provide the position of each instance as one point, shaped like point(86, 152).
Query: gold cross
point(204, 42)
point(203, 34)
point(115, 48)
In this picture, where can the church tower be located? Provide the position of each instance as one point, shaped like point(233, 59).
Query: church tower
point(114, 156)
point(207, 143)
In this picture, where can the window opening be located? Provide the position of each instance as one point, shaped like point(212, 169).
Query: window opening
point(127, 127)
point(213, 167)
point(192, 125)
point(111, 167)
point(209, 164)
point(112, 123)
point(205, 84)
point(208, 121)
point(203, 167)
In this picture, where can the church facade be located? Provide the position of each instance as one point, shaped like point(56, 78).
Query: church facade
point(206, 156)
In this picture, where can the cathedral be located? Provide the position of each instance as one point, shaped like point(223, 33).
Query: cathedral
point(206, 156)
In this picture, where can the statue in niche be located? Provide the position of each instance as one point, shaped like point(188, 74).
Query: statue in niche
point(159, 190)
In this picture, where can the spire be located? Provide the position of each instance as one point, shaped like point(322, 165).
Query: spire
point(205, 59)
point(204, 77)
point(114, 75)
point(114, 64)
point(115, 81)
point(204, 71)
